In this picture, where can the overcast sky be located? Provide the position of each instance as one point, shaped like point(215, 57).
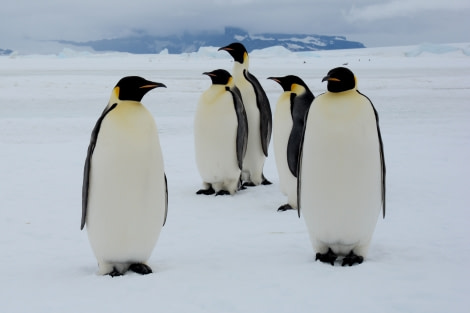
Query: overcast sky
point(372, 22)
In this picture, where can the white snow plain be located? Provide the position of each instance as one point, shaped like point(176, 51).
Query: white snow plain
point(235, 253)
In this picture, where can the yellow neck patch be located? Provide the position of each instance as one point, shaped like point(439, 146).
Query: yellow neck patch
point(297, 89)
point(116, 92)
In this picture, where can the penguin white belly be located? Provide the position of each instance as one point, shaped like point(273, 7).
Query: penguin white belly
point(215, 134)
point(127, 194)
point(282, 127)
point(341, 173)
point(254, 159)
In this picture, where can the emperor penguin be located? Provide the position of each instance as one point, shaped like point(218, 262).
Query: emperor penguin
point(220, 135)
point(258, 111)
point(124, 195)
point(341, 185)
point(288, 130)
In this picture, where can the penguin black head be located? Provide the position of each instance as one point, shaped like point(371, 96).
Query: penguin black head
point(219, 77)
point(288, 82)
point(134, 88)
point(237, 51)
point(340, 79)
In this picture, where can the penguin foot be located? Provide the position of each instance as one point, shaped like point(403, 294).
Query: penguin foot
point(115, 273)
point(285, 207)
point(352, 259)
point(240, 184)
point(140, 268)
point(329, 257)
point(266, 182)
point(206, 192)
point(222, 193)
point(248, 184)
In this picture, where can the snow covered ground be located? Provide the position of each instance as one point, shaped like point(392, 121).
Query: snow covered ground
point(235, 253)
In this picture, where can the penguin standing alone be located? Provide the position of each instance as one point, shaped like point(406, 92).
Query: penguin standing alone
point(288, 130)
point(220, 135)
point(124, 195)
point(342, 171)
point(259, 115)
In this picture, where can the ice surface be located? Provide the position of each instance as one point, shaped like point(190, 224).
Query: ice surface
point(234, 253)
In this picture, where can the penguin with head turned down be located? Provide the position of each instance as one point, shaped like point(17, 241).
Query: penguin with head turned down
point(124, 195)
point(288, 130)
point(220, 135)
point(341, 185)
point(258, 111)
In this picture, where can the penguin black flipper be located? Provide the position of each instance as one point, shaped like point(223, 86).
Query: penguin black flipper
point(382, 157)
point(166, 200)
point(242, 128)
point(299, 164)
point(299, 169)
point(264, 108)
point(299, 109)
point(86, 170)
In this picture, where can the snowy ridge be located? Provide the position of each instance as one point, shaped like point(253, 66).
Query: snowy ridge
point(456, 49)
point(186, 43)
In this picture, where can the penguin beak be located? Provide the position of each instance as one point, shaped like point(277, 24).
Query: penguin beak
point(208, 74)
point(152, 85)
point(225, 48)
point(275, 79)
point(330, 79)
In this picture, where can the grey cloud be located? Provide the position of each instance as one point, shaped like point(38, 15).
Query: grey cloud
point(375, 23)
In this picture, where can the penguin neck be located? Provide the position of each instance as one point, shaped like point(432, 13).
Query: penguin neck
point(214, 92)
point(128, 105)
point(113, 98)
point(285, 98)
point(239, 68)
point(343, 93)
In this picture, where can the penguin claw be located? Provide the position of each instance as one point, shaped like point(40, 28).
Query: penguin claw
point(329, 257)
point(115, 273)
point(352, 259)
point(248, 184)
point(206, 192)
point(285, 207)
point(266, 182)
point(140, 268)
point(242, 187)
point(222, 193)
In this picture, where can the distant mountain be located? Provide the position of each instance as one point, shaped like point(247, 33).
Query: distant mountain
point(145, 44)
point(5, 52)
